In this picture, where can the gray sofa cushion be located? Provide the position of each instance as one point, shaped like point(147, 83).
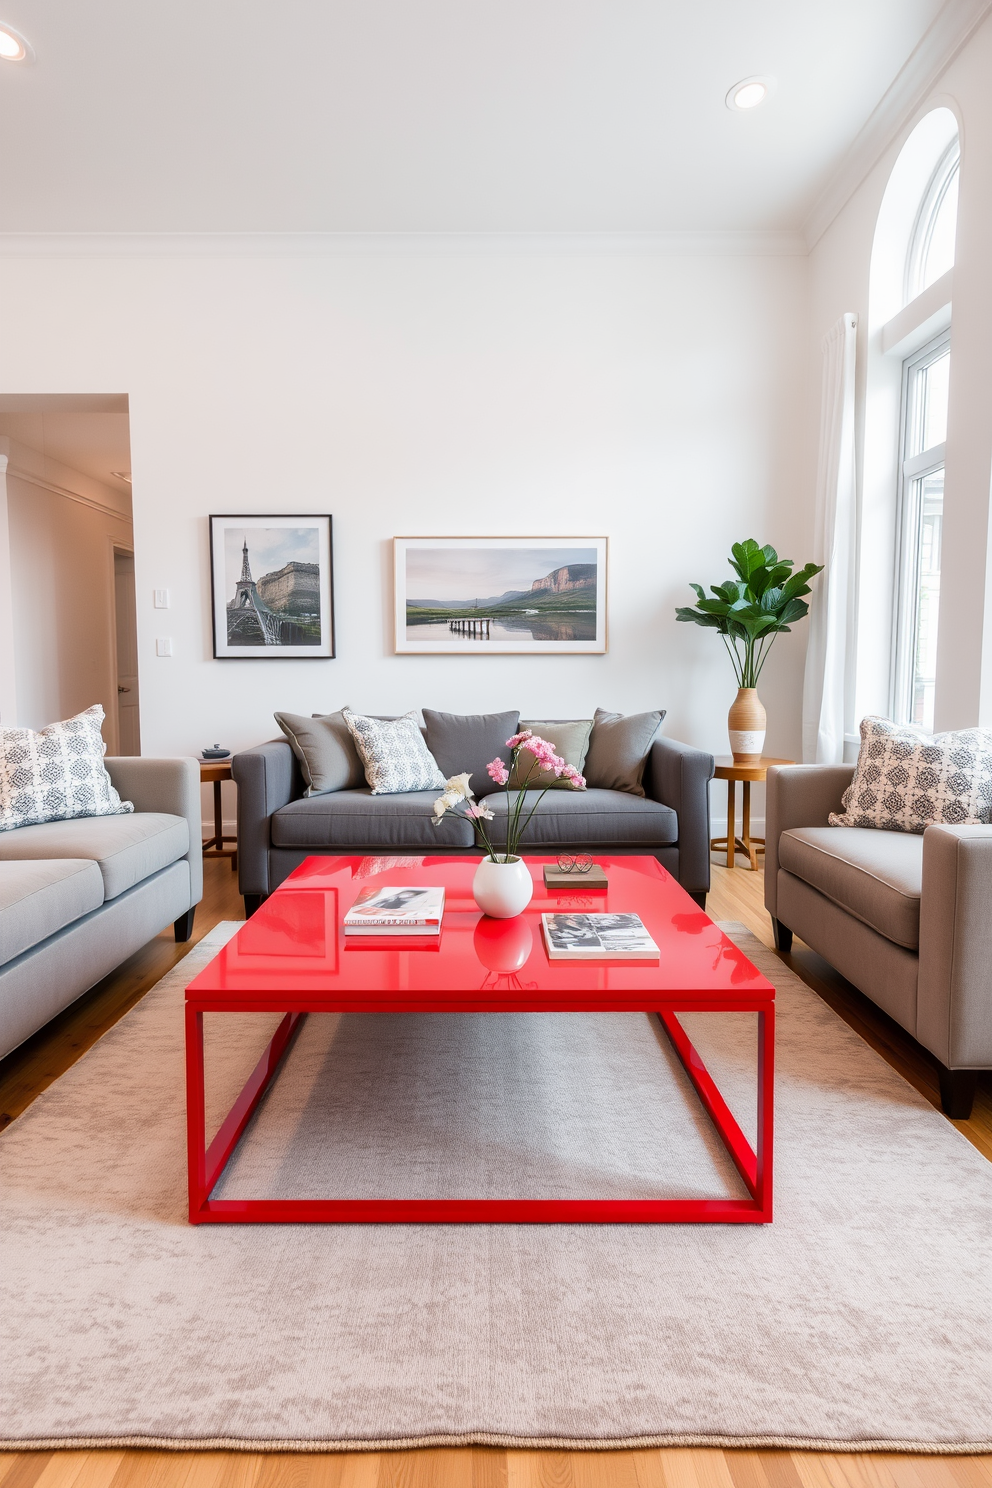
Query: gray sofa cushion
point(468, 741)
point(39, 898)
point(325, 749)
point(570, 739)
point(357, 820)
point(126, 849)
point(876, 876)
point(589, 818)
point(618, 749)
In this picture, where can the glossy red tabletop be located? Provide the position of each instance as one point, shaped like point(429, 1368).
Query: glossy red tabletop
point(293, 952)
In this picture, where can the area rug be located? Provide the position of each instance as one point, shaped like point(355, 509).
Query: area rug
point(862, 1318)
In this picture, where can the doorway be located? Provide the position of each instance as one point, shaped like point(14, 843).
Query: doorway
point(128, 726)
point(67, 593)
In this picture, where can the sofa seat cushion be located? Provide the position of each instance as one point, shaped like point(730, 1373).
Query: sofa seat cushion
point(589, 818)
point(356, 820)
point(39, 898)
point(876, 876)
point(126, 849)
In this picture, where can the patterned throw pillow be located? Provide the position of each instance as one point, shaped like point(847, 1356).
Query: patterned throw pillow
point(56, 774)
point(907, 780)
point(394, 753)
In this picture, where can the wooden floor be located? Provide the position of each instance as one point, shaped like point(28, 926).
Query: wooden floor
point(736, 895)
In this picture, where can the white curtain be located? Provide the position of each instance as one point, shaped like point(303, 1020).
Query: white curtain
point(831, 618)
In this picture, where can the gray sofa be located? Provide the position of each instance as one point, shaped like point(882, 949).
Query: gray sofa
point(906, 918)
point(278, 826)
point(78, 897)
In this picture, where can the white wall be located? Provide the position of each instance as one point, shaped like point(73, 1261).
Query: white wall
point(450, 386)
point(59, 647)
point(839, 266)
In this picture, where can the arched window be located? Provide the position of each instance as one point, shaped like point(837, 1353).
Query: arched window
point(931, 248)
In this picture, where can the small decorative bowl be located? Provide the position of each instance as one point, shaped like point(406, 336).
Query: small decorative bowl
point(215, 752)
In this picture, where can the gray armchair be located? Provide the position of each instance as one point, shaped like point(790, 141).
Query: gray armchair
point(278, 827)
point(907, 919)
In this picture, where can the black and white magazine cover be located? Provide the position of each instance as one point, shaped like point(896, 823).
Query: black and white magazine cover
point(396, 907)
point(597, 937)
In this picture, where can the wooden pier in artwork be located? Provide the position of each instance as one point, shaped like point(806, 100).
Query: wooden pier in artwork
point(477, 629)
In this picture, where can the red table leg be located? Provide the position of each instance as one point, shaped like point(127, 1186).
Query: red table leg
point(207, 1163)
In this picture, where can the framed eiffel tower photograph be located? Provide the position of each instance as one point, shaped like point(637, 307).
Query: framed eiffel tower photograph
point(272, 586)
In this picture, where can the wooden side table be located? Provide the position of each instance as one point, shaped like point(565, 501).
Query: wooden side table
point(727, 770)
point(217, 771)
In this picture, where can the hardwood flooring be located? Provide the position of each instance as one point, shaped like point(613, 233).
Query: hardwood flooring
point(736, 895)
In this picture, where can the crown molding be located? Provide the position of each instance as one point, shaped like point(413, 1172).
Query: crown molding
point(785, 243)
point(951, 28)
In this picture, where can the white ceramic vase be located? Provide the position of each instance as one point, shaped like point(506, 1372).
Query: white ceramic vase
point(502, 888)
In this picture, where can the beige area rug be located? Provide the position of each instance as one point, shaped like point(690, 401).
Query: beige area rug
point(861, 1318)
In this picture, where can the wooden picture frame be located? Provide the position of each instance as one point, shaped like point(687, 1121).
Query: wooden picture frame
point(500, 596)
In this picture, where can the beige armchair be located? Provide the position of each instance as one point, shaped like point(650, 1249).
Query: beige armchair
point(907, 919)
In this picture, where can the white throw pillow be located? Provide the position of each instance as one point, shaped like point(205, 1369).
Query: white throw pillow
point(393, 753)
point(56, 774)
point(907, 780)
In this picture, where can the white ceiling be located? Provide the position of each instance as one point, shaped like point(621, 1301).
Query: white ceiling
point(435, 115)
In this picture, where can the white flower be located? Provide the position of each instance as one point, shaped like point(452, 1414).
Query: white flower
point(459, 785)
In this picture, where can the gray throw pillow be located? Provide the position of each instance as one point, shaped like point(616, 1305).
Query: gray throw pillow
point(394, 753)
point(326, 751)
point(468, 741)
point(570, 738)
point(618, 750)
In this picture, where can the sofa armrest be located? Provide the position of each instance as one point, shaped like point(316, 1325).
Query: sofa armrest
point(171, 785)
point(798, 796)
point(680, 778)
point(266, 780)
point(954, 998)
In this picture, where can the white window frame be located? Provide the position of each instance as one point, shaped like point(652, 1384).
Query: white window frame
point(912, 469)
point(945, 170)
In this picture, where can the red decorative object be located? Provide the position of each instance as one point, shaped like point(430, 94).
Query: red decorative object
point(314, 970)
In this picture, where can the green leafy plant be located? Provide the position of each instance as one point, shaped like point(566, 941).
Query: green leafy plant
point(750, 611)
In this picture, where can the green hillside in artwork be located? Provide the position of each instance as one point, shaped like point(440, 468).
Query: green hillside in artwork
point(578, 597)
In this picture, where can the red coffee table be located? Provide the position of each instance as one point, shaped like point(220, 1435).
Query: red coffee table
point(292, 957)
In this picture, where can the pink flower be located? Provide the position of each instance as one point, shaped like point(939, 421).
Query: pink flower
point(518, 739)
point(479, 812)
point(541, 750)
point(496, 770)
point(571, 774)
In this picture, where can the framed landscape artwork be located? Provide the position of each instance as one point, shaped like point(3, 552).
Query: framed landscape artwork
point(273, 593)
point(499, 595)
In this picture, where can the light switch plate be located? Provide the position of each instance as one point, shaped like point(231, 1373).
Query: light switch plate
point(163, 646)
point(161, 599)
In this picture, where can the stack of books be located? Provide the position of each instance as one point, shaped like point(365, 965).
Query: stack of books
point(396, 910)
point(597, 937)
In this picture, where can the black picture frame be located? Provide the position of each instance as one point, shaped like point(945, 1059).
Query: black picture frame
point(275, 606)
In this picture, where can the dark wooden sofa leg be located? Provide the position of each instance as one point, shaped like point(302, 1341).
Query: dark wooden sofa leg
point(700, 899)
point(957, 1092)
point(252, 902)
point(184, 925)
point(783, 937)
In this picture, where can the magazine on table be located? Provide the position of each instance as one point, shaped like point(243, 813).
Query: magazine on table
point(396, 910)
point(597, 937)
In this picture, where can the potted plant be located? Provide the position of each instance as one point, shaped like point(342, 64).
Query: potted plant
point(502, 886)
point(749, 612)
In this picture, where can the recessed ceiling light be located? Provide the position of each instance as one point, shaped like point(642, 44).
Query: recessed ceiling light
point(13, 46)
point(748, 93)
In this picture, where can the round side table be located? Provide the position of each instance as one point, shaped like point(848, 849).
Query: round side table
point(727, 770)
point(216, 771)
